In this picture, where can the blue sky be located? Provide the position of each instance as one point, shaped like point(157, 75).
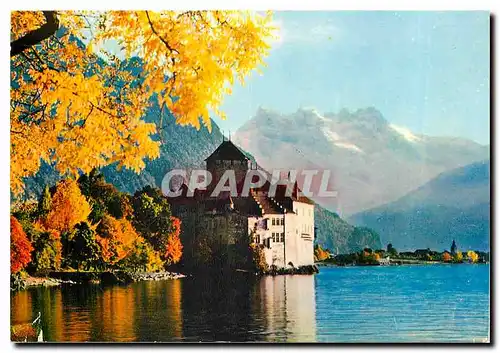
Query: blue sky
point(427, 71)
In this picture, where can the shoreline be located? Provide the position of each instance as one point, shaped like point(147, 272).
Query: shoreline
point(399, 263)
point(105, 278)
point(54, 279)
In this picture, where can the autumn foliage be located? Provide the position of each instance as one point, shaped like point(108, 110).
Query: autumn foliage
point(57, 232)
point(173, 251)
point(69, 207)
point(472, 255)
point(154, 222)
point(80, 108)
point(117, 238)
point(321, 254)
point(446, 257)
point(20, 247)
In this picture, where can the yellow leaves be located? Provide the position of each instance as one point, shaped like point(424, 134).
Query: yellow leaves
point(203, 49)
point(22, 22)
point(472, 256)
point(77, 113)
point(69, 207)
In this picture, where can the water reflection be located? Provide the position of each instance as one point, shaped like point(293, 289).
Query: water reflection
point(235, 309)
point(289, 307)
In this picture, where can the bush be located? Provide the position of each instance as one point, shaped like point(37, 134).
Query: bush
point(258, 258)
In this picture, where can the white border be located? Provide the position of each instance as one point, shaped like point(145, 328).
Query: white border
point(7, 6)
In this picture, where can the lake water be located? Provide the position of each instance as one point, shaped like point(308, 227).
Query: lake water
point(436, 303)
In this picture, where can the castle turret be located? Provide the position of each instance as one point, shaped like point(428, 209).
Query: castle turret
point(227, 157)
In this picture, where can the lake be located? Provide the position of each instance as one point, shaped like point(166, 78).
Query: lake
point(434, 303)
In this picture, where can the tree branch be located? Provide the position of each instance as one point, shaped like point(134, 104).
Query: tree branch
point(172, 50)
point(36, 36)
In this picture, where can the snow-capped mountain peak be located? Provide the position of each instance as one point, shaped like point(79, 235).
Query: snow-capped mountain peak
point(406, 133)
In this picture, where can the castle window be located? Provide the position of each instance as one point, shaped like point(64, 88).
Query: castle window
point(274, 222)
point(257, 238)
point(274, 236)
point(282, 237)
point(283, 221)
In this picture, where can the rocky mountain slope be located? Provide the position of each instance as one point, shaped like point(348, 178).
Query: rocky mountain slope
point(372, 161)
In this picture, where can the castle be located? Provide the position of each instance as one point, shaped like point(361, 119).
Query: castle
point(282, 225)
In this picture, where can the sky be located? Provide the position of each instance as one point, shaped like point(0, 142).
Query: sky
point(427, 71)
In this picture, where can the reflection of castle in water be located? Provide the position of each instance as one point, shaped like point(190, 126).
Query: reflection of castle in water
point(275, 309)
point(230, 309)
point(289, 308)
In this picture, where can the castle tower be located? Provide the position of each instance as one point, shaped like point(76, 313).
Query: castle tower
point(227, 157)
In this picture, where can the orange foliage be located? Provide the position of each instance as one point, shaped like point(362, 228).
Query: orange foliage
point(20, 246)
point(446, 257)
point(321, 254)
point(55, 239)
point(173, 252)
point(376, 256)
point(117, 238)
point(69, 207)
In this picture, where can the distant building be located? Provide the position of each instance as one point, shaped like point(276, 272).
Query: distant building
point(283, 225)
point(385, 261)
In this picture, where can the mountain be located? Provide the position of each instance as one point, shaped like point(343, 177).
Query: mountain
point(453, 206)
point(334, 233)
point(186, 147)
point(372, 161)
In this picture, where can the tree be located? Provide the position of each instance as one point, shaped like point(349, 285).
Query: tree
point(142, 258)
point(446, 257)
point(459, 256)
point(44, 203)
point(47, 255)
point(20, 246)
point(259, 263)
point(320, 254)
point(82, 249)
point(104, 197)
point(472, 256)
point(391, 250)
point(63, 91)
point(173, 248)
point(453, 248)
point(69, 207)
point(117, 238)
point(153, 220)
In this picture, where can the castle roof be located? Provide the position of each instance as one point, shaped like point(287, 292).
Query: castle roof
point(227, 151)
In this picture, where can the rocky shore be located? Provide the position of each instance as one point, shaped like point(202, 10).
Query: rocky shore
point(301, 270)
point(104, 278)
